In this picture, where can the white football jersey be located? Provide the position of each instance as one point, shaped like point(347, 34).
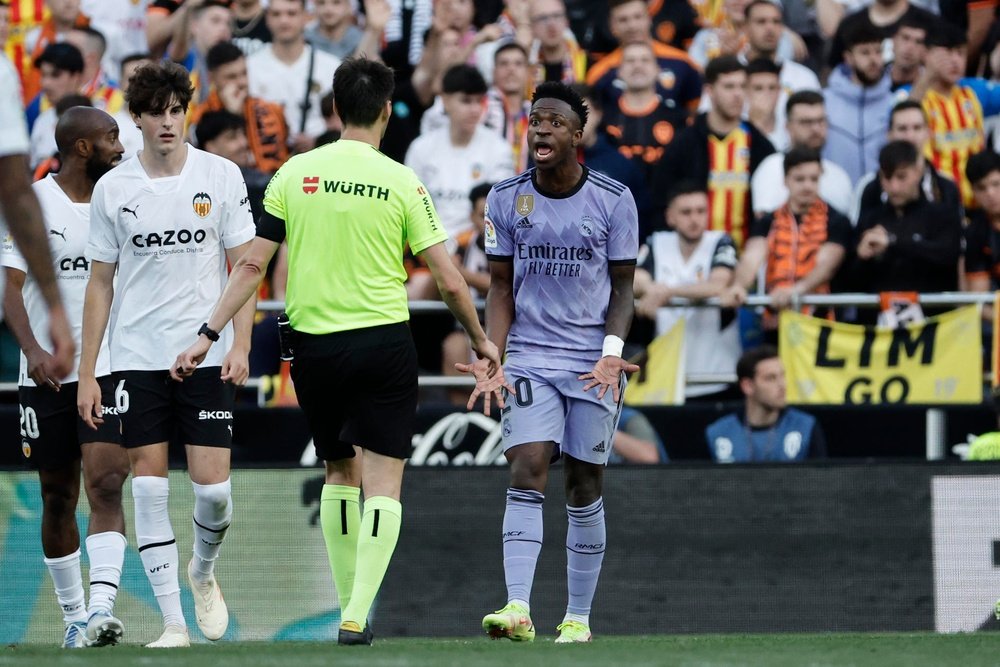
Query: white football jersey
point(169, 237)
point(68, 224)
point(450, 172)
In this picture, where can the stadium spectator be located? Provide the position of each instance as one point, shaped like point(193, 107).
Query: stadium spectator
point(17, 19)
point(451, 160)
point(292, 73)
point(511, 25)
point(763, 94)
point(125, 20)
point(53, 163)
point(800, 246)
point(764, 31)
point(63, 16)
point(250, 31)
point(334, 127)
point(97, 83)
point(61, 68)
point(884, 17)
point(858, 98)
point(200, 27)
point(474, 266)
point(356, 333)
point(335, 30)
point(727, 35)
point(907, 122)
point(720, 151)
point(642, 123)
point(691, 262)
point(53, 442)
point(129, 134)
point(507, 104)
point(555, 54)
point(956, 106)
point(807, 125)
point(20, 213)
point(907, 243)
point(636, 441)
point(678, 81)
point(982, 234)
point(405, 35)
point(534, 316)
point(766, 430)
point(909, 49)
point(599, 154)
point(674, 23)
point(266, 131)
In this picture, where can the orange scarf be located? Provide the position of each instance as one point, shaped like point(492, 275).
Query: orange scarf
point(265, 128)
point(793, 247)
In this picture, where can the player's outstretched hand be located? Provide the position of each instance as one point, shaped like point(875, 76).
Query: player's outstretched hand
point(490, 386)
point(189, 359)
point(236, 366)
point(607, 373)
point(88, 402)
point(63, 347)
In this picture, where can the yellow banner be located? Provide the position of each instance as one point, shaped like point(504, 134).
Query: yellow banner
point(661, 378)
point(939, 361)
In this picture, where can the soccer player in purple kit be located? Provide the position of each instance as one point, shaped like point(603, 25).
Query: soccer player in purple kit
point(562, 242)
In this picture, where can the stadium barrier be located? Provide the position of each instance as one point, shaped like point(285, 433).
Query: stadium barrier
point(811, 548)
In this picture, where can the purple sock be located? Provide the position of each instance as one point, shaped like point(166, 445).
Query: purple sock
point(522, 540)
point(584, 554)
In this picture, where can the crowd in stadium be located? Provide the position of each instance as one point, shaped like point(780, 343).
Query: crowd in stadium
point(787, 147)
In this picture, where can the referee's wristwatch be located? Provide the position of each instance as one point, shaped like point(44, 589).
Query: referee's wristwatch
point(208, 333)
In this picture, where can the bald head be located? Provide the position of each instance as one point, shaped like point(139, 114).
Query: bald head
point(82, 123)
point(88, 143)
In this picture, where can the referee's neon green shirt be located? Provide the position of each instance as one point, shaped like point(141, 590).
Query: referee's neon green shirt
point(349, 211)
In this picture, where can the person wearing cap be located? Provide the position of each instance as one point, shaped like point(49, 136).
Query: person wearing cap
point(61, 69)
point(956, 105)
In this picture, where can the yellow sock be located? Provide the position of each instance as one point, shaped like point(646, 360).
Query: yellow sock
point(340, 517)
point(379, 532)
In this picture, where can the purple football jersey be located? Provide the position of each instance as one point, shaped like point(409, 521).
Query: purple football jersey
point(561, 246)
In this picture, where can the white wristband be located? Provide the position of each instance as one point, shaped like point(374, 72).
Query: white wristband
point(613, 346)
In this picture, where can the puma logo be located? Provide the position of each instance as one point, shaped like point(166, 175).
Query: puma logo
point(55, 233)
point(126, 209)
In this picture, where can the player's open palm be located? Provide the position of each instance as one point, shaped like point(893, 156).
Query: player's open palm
point(490, 379)
point(607, 374)
point(88, 402)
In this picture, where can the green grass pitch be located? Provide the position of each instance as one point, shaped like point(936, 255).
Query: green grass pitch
point(800, 650)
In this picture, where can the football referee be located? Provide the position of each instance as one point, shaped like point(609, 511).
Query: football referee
point(347, 211)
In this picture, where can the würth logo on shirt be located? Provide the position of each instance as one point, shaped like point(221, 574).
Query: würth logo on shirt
point(310, 184)
point(202, 204)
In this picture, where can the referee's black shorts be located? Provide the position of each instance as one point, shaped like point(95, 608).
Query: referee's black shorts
point(358, 387)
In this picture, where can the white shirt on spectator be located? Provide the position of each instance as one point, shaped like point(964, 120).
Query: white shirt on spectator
point(450, 172)
point(767, 185)
point(275, 81)
point(123, 24)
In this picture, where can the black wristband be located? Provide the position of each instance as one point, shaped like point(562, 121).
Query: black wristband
point(208, 333)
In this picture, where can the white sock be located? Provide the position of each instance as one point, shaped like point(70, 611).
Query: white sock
point(157, 546)
point(68, 583)
point(213, 510)
point(106, 553)
point(583, 618)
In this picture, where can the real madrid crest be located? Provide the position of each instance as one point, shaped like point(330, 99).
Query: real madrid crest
point(202, 204)
point(525, 204)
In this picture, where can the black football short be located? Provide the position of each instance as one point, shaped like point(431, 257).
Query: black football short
point(358, 387)
point(199, 411)
point(51, 429)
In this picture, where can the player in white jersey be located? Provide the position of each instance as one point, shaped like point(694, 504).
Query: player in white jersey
point(562, 242)
point(19, 206)
point(169, 220)
point(53, 437)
